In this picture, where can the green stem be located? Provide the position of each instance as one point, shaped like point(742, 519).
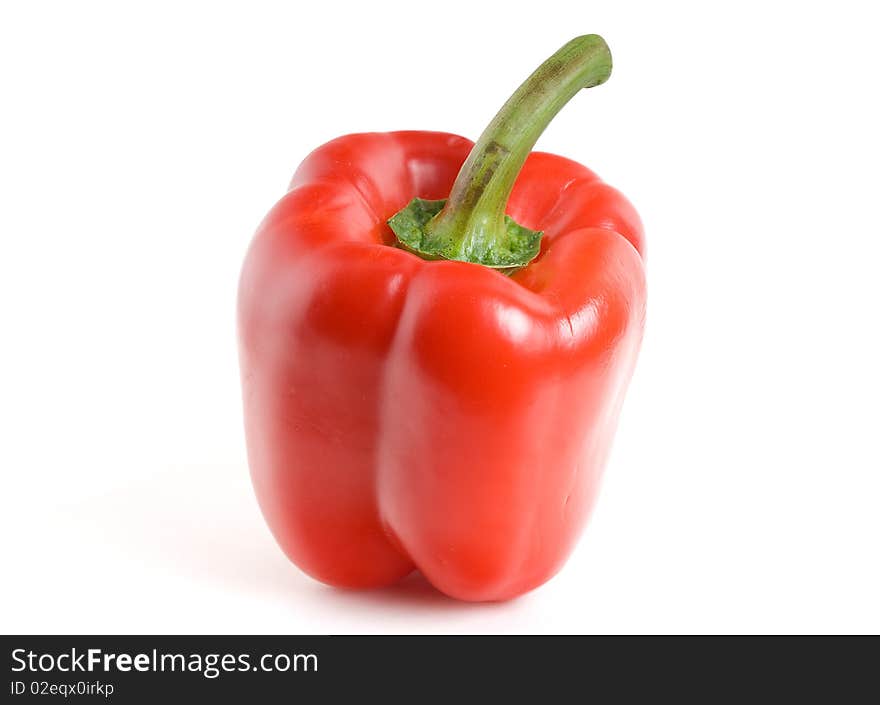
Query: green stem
point(472, 225)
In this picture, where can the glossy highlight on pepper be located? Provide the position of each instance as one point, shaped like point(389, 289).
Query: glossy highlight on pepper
point(441, 410)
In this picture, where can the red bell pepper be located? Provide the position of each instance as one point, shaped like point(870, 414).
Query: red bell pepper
point(435, 386)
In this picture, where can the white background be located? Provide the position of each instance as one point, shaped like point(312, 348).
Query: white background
point(142, 143)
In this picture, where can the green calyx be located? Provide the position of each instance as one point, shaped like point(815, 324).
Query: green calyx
point(517, 246)
point(472, 225)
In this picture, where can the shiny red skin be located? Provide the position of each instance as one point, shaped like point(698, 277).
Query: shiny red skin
point(407, 414)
